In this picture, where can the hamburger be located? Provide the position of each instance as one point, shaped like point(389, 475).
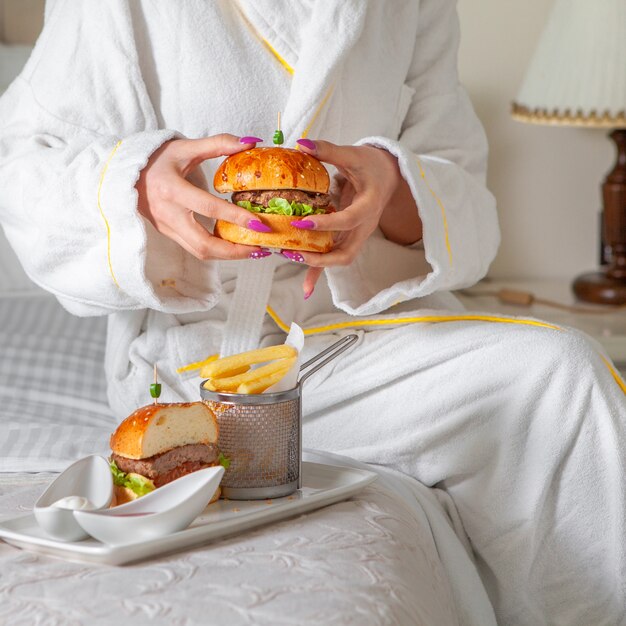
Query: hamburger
point(279, 185)
point(159, 443)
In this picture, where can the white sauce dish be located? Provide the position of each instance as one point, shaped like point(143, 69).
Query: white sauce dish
point(165, 510)
point(86, 484)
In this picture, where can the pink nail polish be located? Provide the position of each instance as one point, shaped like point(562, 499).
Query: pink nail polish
point(308, 144)
point(306, 224)
point(259, 254)
point(250, 139)
point(259, 226)
point(308, 294)
point(293, 256)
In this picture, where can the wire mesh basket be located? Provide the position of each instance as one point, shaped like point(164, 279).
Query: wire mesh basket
point(261, 434)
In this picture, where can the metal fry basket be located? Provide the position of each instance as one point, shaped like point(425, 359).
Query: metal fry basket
point(261, 434)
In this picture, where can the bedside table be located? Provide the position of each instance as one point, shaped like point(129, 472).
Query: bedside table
point(609, 328)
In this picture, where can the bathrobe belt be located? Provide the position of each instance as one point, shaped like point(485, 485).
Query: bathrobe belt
point(247, 308)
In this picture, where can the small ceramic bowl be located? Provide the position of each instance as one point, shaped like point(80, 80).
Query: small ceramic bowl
point(88, 478)
point(165, 510)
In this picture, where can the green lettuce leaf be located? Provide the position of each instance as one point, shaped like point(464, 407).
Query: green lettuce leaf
point(135, 482)
point(246, 204)
point(139, 484)
point(118, 475)
point(280, 206)
point(224, 461)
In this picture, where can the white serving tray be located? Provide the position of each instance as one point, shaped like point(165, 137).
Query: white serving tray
point(322, 485)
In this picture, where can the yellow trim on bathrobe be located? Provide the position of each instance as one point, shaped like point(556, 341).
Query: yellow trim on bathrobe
point(281, 60)
point(305, 132)
point(290, 69)
point(618, 379)
point(440, 203)
point(434, 319)
point(196, 365)
point(106, 221)
point(422, 319)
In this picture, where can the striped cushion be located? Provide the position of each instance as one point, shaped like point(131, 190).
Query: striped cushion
point(53, 406)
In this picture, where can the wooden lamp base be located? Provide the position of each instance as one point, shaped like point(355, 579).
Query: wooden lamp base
point(609, 287)
point(599, 288)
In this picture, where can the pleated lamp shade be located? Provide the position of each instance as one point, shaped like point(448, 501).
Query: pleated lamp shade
point(578, 73)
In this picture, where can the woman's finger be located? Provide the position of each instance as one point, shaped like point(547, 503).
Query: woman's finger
point(204, 203)
point(350, 218)
point(191, 152)
point(343, 157)
point(310, 280)
point(343, 254)
point(194, 238)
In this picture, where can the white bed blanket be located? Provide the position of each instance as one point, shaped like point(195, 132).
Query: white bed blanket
point(374, 559)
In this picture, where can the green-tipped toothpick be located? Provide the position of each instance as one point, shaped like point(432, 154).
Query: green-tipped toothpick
point(155, 387)
point(279, 138)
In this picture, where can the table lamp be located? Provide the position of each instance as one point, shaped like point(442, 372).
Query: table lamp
point(577, 77)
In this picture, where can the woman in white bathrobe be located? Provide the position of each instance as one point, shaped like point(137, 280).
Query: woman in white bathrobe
point(520, 421)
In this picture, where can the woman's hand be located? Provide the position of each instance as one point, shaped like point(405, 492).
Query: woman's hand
point(169, 198)
point(373, 194)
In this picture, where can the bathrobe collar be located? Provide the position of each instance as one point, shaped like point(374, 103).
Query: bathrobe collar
point(314, 53)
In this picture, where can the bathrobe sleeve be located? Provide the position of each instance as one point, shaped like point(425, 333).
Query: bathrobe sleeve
point(76, 128)
point(442, 155)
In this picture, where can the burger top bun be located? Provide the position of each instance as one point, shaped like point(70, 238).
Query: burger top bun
point(157, 428)
point(271, 168)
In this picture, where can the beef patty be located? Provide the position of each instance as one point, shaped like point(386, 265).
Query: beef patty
point(167, 466)
point(262, 197)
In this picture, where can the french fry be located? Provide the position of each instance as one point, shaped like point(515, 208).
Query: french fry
point(261, 384)
point(278, 367)
point(236, 371)
point(241, 370)
point(210, 385)
point(230, 366)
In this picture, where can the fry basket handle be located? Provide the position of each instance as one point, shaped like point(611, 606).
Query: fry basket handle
point(332, 351)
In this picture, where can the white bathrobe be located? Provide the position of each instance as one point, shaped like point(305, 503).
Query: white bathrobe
point(520, 421)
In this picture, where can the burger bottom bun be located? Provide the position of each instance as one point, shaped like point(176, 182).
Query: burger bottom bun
point(283, 235)
point(122, 495)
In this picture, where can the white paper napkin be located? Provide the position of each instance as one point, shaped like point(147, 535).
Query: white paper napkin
point(295, 338)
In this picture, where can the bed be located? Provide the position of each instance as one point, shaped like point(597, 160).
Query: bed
point(393, 554)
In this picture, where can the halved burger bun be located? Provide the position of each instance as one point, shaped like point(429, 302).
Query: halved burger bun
point(284, 236)
point(157, 428)
point(159, 443)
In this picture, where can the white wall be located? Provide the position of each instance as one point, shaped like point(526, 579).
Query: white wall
point(20, 20)
point(546, 179)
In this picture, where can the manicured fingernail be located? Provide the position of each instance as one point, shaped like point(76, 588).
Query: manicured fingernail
point(293, 256)
point(307, 224)
point(259, 226)
point(259, 254)
point(250, 139)
point(307, 143)
point(307, 294)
